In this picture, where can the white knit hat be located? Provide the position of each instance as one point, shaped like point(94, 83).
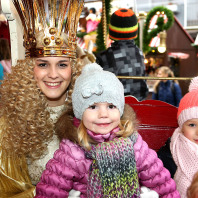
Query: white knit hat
point(188, 106)
point(95, 85)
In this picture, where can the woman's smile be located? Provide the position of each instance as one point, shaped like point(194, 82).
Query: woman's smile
point(53, 85)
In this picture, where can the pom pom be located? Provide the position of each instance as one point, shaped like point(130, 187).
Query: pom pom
point(90, 68)
point(193, 84)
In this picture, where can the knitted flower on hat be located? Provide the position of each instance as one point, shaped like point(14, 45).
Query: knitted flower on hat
point(95, 85)
point(188, 106)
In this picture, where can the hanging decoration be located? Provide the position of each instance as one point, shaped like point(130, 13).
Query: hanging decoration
point(161, 25)
point(102, 31)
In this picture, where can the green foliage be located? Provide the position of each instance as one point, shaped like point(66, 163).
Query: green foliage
point(147, 36)
point(137, 39)
point(100, 37)
point(81, 34)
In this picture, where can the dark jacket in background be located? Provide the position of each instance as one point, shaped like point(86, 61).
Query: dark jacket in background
point(165, 155)
point(168, 92)
point(124, 58)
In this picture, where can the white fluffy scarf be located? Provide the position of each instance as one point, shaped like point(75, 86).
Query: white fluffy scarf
point(185, 155)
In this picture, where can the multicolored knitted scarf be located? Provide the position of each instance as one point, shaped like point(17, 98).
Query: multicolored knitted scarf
point(113, 172)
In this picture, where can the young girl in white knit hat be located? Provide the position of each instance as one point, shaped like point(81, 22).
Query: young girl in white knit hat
point(184, 142)
point(108, 158)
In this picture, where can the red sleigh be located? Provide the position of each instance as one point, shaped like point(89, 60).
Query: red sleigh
point(157, 120)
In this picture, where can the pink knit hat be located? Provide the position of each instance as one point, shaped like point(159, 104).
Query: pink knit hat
point(188, 106)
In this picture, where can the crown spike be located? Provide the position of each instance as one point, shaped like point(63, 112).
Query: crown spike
point(52, 12)
point(59, 7)
point(21, 14)
point(27, 9)
point(80, 7)
point(39, 5)
point(63, 10)
point(74, 14)
point(43, 26)
point(31, 15)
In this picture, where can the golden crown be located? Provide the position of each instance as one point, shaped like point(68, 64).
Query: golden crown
point(50, 26)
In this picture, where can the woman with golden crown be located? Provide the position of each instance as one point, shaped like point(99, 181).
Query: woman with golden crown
point(38, 91)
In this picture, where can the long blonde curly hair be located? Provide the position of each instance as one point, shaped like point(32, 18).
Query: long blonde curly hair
point(25, 125)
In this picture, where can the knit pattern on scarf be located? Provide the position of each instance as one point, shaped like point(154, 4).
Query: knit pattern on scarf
point(113, 172)
point(185, 155)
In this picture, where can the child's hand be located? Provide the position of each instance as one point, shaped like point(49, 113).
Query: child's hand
point(147, 193)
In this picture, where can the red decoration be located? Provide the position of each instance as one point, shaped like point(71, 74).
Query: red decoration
point(157, 120)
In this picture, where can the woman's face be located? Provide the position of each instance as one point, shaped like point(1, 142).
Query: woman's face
point(53, 76)
point(162, 75)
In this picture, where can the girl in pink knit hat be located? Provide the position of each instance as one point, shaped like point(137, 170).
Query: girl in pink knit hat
point(184, 142)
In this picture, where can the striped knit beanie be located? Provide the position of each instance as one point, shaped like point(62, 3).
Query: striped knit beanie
point(123, 25)
point(188, 106)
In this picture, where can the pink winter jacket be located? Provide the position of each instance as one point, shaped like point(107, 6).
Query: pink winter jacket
point(69, 170)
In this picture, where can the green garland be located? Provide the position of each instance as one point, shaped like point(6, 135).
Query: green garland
point(100, 39)
point(147, 36)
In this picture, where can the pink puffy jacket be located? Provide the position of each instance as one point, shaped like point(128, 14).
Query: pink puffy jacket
point(69, 170)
